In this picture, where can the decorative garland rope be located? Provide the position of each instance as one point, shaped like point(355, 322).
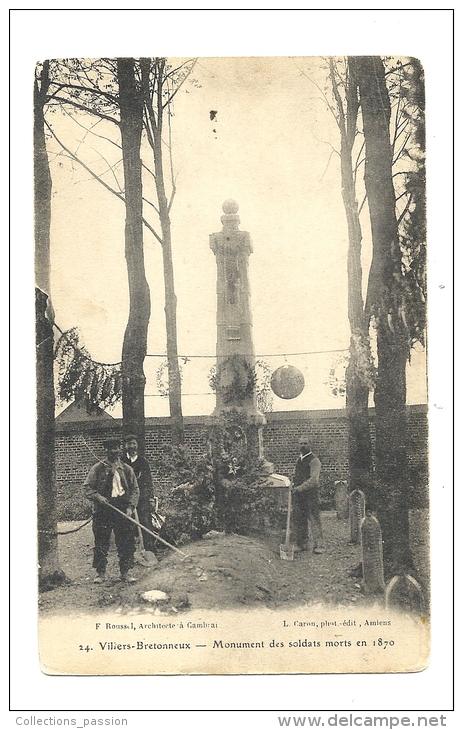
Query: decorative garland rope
point(213, 357)
point(65, 532)
point(83, 354)
point(101, 382)
point(75, 529)
point(92, 452)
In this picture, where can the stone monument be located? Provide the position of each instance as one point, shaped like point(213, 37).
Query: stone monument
point(234, 381)
point(235, 375)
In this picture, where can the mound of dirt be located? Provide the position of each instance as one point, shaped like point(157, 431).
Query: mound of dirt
point(222, 572)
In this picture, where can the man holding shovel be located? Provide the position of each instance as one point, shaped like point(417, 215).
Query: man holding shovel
point(306, 507)
point(110, 483)
point(146, 502)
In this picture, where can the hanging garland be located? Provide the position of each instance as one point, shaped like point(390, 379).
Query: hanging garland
point(337, 376)
point(234, 379)
point(363, 366)
point(83, 379)
point(264, 393)
point(162, 377)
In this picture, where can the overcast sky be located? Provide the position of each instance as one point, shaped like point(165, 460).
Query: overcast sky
point(271, 148)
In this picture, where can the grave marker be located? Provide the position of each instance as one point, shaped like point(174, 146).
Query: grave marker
point(341, 499)
point(356, 514)
point(405, 592)
point(372, 555)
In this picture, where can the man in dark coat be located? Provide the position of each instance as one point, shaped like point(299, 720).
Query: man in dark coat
point(306, 507)
point(110, 482)
point(146, 502)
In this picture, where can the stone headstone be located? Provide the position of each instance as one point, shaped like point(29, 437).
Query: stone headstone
point(372, 555)
point(341, 499)
point(356, 514)
point(404, 592)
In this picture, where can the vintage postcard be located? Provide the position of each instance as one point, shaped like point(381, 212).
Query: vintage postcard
point(231, 316)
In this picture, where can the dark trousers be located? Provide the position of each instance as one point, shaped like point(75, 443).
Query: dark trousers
point(144, 518)
point(306, 508)
point(105, 521)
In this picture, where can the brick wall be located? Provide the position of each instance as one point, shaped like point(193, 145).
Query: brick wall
point(78, 443)
point(327, 431)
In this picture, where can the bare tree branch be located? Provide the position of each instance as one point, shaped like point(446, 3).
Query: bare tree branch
point(107, 139)
point(404, 212)
point(150, 203)
point(98, 179)
point(362, 203)
point(394, 70)
point(89, 90)
point(90, 129)
point(402, 147)
point(324, 97)
point(171, 96)
point(327, 164)
point(110, 168)
point(83, 108)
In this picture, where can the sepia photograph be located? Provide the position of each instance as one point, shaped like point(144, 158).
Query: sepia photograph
point(232, 439)
point(231, 368)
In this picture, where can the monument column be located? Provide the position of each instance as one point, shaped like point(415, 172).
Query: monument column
point(235, 377)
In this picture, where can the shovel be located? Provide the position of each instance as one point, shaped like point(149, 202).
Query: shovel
point(142, 527)
point(287, 550)
point(142, 556)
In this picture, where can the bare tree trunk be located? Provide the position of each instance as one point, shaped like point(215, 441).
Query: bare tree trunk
point(392, 336)
point(42, 185)
point(134, 347)
point(359, 441)
point(357, 392)
point(391, 450)
point(50, 573)
point(170, 306)
point(155, 119)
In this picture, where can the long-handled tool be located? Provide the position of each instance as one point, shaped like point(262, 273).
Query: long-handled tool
point(287, 550)
point(142, 527)
point(142, 556)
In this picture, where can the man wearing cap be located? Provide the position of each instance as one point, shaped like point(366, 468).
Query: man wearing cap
point(306, 507)
point(146, 502)
point(110, 482)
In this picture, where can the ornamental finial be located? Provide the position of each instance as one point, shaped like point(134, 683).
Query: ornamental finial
point(230, 207)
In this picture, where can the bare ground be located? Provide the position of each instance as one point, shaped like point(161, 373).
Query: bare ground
point(223, 572)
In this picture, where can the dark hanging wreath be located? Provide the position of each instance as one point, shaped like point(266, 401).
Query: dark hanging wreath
point(234, 380)
point(83, 379)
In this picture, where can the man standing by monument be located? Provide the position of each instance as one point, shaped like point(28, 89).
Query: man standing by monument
point(306, 507)
point(110, 482)
point(146, 502)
